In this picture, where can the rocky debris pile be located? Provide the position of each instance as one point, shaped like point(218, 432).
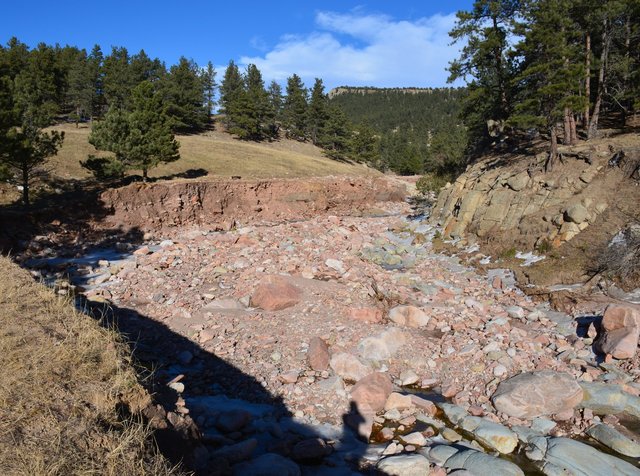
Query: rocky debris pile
point(296, 332)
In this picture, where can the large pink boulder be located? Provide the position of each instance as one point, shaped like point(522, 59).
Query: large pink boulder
point(275, 293)
point(620, 331)
point(318, 354)
point(368, 397)
point(533, 394)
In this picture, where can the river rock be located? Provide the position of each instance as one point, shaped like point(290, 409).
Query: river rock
point(382, 346)
point(615, 440)
point(348, 366)
point(481, 464)
point(566, 456)
point(491, 434)
point(605, 399)
point(620, 331)
point(275, 293)
point(372, 391)
point(311, 449)
point(404, 465)
point(268, 464)
point(533, 394)
point(318, 354)
point(409, 316)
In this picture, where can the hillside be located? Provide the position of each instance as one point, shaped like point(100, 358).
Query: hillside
point(392, 109)
point(65, 385)
point(216, 153)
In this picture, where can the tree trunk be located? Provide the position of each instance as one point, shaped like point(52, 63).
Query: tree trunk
point(574, 132)
point(553, 150)
point(566, 140)
point(606, 40)
point(497, 53)
point(587, 81)
point(25, 186)
point(145, 175)
point(625, 77)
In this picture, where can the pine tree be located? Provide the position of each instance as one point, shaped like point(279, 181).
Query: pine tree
point(230, 90)
point(275, 99)
point(209, 84)
point(317, 112)
point(80, 86)
point(549, 80)
point(252, 115)
point(142, 138)
point(365, 145)
point(118, 80)
point(95, 73)
point(294, 110)
point(486, 61)
point(184, 95)
point(336, 134)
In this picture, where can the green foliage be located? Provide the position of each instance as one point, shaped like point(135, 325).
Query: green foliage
point(184, 89)
point(365, 145)
point(317, 112)
point(294, 109)
point(432, 183)
point(250, 113)
point(140, 139)
point(336, 134)
point(486, 61)
point(209, 85)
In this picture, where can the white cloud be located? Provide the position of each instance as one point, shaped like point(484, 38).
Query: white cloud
point(364, 49)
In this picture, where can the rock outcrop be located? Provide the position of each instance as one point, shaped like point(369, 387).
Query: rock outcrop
point(513, 195)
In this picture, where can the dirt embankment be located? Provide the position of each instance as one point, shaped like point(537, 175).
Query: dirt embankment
point(223, 202)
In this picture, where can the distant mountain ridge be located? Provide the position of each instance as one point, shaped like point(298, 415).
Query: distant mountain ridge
point(372, 89)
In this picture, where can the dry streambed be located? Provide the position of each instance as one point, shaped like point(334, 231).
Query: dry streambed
point(290, 345)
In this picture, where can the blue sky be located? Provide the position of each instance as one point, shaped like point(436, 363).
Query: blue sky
point(377, 43)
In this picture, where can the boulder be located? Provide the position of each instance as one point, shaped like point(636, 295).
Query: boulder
point(275, 293)
point(382, 346)
point(576, 214)
point(518, 181)
point(318, 354)
point(566, 456)
point(349, 367)
point(533, 394)
point(404, 465)
point(372, 391)
point(604, 399)
point(620, 331)
point(481, 464)
point(409, 316)
point(491, 434)
point(612, 438)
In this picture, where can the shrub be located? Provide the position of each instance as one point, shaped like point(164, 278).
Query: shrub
point(432, 183)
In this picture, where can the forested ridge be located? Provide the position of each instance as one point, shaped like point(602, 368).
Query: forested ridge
point(547, 68)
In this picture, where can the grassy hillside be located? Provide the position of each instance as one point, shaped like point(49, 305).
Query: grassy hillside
point(218, 153)
point(63, 379)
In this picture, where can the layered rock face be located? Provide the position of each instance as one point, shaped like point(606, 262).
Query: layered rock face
point(514, 195)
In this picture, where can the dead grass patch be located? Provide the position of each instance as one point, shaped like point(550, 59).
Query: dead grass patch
point(67, 390)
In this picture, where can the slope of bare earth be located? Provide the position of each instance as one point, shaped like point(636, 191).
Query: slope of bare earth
point(63, 380)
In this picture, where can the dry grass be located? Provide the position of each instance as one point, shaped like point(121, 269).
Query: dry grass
point(219, 154)
point(63, 379)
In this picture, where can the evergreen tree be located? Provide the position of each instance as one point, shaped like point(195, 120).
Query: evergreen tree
point(317, 112)
point(549, 79)
point(275, 99)
point(118, 80)
point(80, 86)
point(95, 73)
point(230, 90)
point(142, 68)
point(251, 115)
point(336, 134)
point(142, 138)
point(184, 94)
point(294, 110)
point(209, 85)
point(486, 61)
point(365, 145)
